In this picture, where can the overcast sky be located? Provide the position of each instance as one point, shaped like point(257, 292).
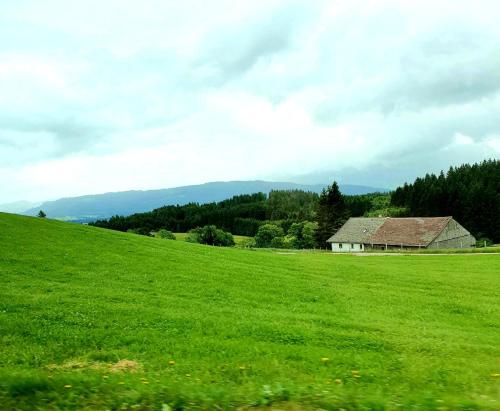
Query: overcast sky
point(100, 95)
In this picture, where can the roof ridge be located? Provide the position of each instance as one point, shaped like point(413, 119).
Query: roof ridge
point(415, 217)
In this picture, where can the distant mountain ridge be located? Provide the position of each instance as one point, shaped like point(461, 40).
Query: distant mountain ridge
point(18, 207)
point(91, 207)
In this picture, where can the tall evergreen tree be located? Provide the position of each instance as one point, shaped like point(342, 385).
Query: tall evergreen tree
point(470, 193)
point(332, 213)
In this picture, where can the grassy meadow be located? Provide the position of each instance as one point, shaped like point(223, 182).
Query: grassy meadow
point(99, 319)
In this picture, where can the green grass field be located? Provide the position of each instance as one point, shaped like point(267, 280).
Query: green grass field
point(98, 319)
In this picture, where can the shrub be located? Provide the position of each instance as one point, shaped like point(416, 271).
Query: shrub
point(301, 235)
point(289, 241)
point(277, 242)
point(224, 238)
point(210, 235)
point(165, 234)
point(193, 236)
point(309, 234)
point(247, 243)
point(269, 235)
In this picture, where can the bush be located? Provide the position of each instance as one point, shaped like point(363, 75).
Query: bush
point(247, 243)
point(302, 235)
point(269, 235)
point(277, 242)
point(289, 241)
point(193, 236)
point(224, 238)
point(210, 235)
point(165, 234)
point(309, 234)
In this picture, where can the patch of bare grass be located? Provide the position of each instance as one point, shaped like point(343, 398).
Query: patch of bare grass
point(82, 365)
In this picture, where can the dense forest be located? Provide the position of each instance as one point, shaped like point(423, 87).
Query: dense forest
point(469, 193)
point(243, 214)
point(239, 215)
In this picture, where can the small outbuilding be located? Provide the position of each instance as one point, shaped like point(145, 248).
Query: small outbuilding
point(383, 233)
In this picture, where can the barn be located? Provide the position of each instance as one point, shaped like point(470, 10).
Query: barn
point(384, 233)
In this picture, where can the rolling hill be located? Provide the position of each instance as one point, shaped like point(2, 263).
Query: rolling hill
point(98, 319)
point(91, 207)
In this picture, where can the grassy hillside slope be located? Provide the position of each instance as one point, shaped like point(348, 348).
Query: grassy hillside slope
point(109, 320)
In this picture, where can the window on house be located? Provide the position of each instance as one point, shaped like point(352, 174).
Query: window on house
point(352, 245)
point(340, 246)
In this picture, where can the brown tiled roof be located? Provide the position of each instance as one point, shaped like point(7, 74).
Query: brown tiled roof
point(412, 231)
point(415, 231)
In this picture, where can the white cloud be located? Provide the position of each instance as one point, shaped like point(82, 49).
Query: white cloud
point(113, 95)
point(493, 142)
point(462, 139)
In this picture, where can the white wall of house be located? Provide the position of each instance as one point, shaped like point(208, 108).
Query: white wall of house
point(347, 247)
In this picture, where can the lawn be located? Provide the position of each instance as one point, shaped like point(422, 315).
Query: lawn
point(97, 319)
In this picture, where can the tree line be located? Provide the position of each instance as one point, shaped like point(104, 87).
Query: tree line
point(469, 193)
point(239, 215)
point(299, 219)
point(284, 218)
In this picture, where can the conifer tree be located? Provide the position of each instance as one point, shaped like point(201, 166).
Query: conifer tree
point(332, 213)
point(469, 193)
